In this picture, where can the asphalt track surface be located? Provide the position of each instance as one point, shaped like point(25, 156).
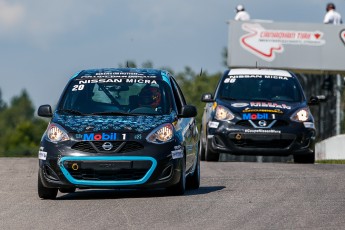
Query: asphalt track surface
point(233, 195)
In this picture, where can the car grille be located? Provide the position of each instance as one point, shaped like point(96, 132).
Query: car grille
point(118, 146)
point(116, 175)
point(281, 144)
point(107, 170)
point(278, 123)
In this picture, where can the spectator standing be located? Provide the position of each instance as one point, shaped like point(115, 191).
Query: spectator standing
point(332, 16)
point(241, 14)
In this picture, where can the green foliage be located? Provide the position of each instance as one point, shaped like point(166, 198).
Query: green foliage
point(20, 131)
point(193, 85)
point(330, 162)
point(2, 103)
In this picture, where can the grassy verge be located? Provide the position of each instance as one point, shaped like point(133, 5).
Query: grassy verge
point(330, 162)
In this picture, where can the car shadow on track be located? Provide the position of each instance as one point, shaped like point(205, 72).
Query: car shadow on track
point(99, 194)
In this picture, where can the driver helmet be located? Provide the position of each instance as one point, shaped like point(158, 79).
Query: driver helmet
point(150, 96)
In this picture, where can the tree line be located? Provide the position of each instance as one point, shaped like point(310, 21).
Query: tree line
point(21, 129)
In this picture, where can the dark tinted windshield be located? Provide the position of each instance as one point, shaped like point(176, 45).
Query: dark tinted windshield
point(261, 88)
point(116, 96)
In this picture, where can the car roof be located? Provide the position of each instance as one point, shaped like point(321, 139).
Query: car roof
point(247, 71)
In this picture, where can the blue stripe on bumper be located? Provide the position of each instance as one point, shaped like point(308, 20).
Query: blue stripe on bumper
point(105, 158)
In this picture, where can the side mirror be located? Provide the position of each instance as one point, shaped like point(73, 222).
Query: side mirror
point(45, 111)
point(188, 111)
point(322, 98)
point(313, 100)
point(207, 97)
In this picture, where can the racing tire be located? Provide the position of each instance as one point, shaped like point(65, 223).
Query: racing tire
point(193, 181)
point(201, 149)
point(179, 188)
point(67, 190)
point(44, 192)
point(209, 154)
point(304, 159)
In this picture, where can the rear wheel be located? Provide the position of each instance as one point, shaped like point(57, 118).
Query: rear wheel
point(210, 155)
point(305, 158)
point(44, 192)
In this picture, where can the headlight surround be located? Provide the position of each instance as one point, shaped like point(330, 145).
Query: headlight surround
point(223, 114)
point(162, 134)
point(301, 115)
point(55, 133)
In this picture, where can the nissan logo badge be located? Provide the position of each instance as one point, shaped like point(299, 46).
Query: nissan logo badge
point(107, 146)
point(262, 123)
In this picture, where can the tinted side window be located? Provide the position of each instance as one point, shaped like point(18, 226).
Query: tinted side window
point(178, 95)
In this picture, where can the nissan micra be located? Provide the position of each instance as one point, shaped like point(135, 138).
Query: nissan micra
point(119, 128)
point(258, 112)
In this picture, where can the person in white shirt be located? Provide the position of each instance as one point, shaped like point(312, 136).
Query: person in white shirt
point(241, 14)
point(332, 16)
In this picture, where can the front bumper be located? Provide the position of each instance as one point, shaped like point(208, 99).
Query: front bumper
point(283, 141)
point(149, 167)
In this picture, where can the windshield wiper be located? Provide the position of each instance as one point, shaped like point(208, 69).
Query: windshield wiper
point(71, 111)
point(228, 98)
point(114, 113)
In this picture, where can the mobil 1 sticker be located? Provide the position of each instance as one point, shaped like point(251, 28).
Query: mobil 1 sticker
point(258, 116)
point(108, 136)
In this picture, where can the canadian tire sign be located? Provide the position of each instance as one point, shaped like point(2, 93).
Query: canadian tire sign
point(305, 47)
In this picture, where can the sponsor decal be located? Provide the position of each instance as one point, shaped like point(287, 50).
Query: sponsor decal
point(254, 116)
point(42, 155)
point(213, 124)
point(232, 78)
point(269, 105)
point(248, 110)
point(102, 136)
point(261, 131)
point(118, 75)
point(265, 43)
point(130, 80)
point(342, 36)
point(238, 105)
point(178, 152)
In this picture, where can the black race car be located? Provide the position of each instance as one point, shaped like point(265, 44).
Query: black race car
point(119, 128)
point(258, 112)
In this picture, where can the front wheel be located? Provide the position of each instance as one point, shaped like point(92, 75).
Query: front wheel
point(67, 190)
point(44, 192)
point(201, 149)
point(305, 158)
point(193, 181)
point(180, 187)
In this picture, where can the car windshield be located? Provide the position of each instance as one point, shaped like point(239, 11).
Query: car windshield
point(111, 97)
point(261, 88)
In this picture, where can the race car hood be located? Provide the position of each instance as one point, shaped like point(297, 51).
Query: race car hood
point(82, 124)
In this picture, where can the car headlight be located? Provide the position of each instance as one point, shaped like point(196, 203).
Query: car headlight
point(223, 114)
point(161, 134)
point(301, 115)
point(55, 133)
